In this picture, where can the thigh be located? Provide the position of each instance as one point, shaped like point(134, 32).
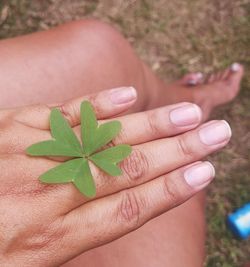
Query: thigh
point(174, 239)
point(65, 62)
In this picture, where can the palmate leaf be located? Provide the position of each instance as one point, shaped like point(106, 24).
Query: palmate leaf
point(107, 159)
point(95, 137)
point(65, 142)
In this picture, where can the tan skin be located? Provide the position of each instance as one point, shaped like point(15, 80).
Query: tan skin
point(79, 59)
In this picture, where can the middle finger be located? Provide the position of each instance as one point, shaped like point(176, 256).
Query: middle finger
point(136, 128)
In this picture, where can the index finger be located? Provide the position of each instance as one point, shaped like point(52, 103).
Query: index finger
point(107, 103)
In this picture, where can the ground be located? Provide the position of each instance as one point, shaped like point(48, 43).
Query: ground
point(175, 37)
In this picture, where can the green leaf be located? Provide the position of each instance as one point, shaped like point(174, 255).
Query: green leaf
point(63, 173)
point(76, 171)
point(105, 133)
point(94, 137)
point(108, 159)
point(65, 143)
point(88, 126)
point(61, 131)
point(84, 180)
point(51, 148)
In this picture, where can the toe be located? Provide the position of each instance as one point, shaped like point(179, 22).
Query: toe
point(231, 82)
point(192, 79)
point(235, 68)
point(225, 73)
point(235, 75)
point(220, 75)
point(211, 78)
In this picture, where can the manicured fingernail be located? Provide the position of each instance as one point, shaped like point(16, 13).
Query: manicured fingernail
point(186, 115)
point(215, 133)
point(199, 174)
point(122, 95)
point(235, 67)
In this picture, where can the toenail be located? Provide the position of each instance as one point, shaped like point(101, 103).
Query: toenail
point(235, 67)
point(186, 115)
point(199, 75)
point(192, 82)
point(215, 133)
point(196, 77)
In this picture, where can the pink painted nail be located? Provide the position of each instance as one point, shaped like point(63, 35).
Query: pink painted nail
point(199, 75)
point(235, 67)
point(199, 175)
point(122, 95)
point(215, 133)
point(188, 114)
point(196, 78)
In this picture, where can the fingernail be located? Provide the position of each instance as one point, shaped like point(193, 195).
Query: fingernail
point(215, 133)
point(122, 95)
point(188, 114)
point(235, 67)
point(200, 174)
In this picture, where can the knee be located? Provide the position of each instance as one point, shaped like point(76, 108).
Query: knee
point(98, 42)
point(97, 34)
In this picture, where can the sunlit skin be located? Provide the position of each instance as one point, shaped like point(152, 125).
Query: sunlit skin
point(44, 225)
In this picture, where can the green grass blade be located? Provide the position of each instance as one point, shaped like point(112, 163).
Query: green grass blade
point(52, 148)
point(84, 180)
point(63, 173)
point(62, 132)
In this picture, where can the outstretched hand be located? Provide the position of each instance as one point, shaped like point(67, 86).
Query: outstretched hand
point(47, 225)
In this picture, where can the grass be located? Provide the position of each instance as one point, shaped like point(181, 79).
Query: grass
point(175, 37)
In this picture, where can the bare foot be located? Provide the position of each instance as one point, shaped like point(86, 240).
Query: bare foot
point(208, 92)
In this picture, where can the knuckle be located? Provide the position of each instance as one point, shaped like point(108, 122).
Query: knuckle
point(93, 99)
point(70, 113)
point(129, 209)
point(7, 128)
point(37, 238)
point(152, 125)
point(121, 138)
point(6, 122)
point(171, 191)
point(44, 237)
point(135, 166)
point(184, 149)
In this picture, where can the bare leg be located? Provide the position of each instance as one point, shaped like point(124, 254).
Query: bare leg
point(87, 56)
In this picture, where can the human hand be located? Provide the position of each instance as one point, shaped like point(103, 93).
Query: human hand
point(47, 225)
